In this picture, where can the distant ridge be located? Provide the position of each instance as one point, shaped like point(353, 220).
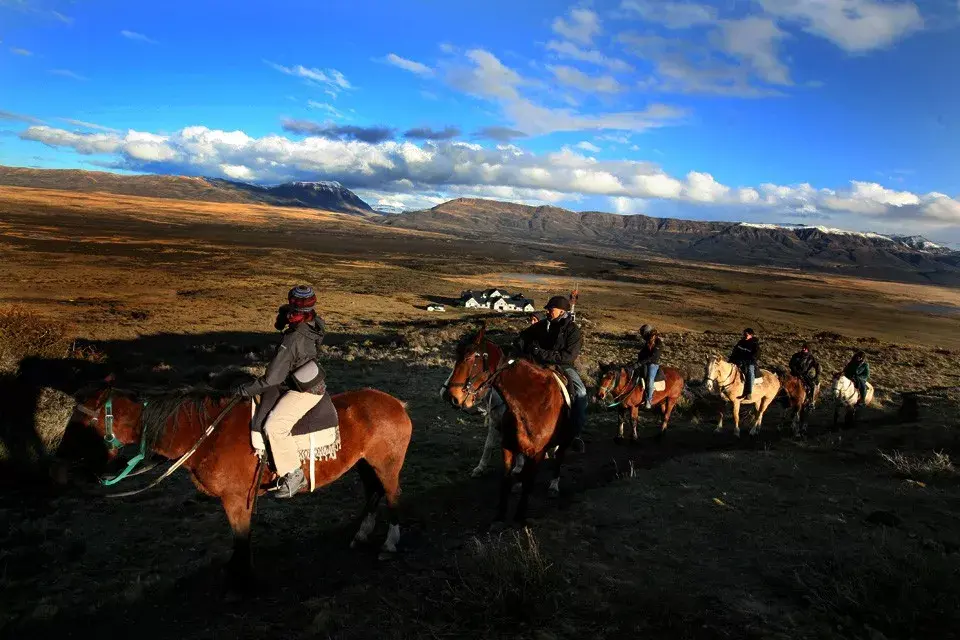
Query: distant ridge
point(811, 248)
point(328, 196)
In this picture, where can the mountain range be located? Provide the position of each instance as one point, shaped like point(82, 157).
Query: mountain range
point(910, 258)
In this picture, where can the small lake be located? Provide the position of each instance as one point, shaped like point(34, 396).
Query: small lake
point(936, 309)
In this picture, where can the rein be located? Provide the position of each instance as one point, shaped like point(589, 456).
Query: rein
point(176, 465)
point(468, 384)
point(619, 399)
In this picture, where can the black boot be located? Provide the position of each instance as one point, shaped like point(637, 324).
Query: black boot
point(291, 484)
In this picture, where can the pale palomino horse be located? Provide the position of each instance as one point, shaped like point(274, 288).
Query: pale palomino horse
point(725, 378)
point(845, 394)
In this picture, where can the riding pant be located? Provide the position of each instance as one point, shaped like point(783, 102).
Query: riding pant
point(578, 398)
point(651, 375)
point(285, 415)
point(861, 385)
point(750, 373)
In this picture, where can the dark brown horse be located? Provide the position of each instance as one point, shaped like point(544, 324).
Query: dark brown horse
point(536, 420)
point(374, 433)
point(619, 389)
point(797, 399)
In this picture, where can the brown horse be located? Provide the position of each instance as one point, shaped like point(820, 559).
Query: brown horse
point(536, 418)
point(797, 398)
point(374, 433)
point(619, 389)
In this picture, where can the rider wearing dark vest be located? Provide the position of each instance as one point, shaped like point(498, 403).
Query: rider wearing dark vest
point(286, 397)
point(557, 340)
point(858, 371)
point(745, 354)
point(804, 366)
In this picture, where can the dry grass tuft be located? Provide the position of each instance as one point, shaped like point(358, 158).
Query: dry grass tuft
point(23, 334)
point(509, 577)
point(935, 465)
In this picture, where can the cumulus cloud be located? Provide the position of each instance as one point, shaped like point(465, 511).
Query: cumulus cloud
point(426, 133)
point(18, 117)
point(755, 41)
point(501, 134)
point(565, 49)
point(408, 65)
point(139, 37)
point(331, 80)
point(588, 146)
point(580, 80)
point(626, 206)
point(853, 25)
point(505, 172)
point(372, 135)
point(581, 26)
point(487, 78)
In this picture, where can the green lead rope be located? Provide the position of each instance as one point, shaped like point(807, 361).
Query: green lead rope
point(112, 441)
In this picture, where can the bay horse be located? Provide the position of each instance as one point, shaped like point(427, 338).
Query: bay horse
point(375, 431)
point(799, 404)
point(727, 379)
point(536, 416)
point(619, 389)
point(845, 395)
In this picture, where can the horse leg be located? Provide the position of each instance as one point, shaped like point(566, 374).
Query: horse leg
point(622, 415)
point(493, 438)
point(527, 479)
point(761, 407)
point(373, 490)
point(667, 408)
point(388, 473)
point(634, 422)
point(719, 428)
point(505, 483)
point(239, 513)
point(736, 418)
point(554, 490)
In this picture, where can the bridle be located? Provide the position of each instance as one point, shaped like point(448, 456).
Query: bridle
point(730, 379)
point(110, 439)
point(604, 390)
point(468, 386)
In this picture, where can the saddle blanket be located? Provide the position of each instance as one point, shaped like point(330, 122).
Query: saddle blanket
point(658, 385)
point(317, 433)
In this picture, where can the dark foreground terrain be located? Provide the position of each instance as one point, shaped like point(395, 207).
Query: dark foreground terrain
point(849, 533)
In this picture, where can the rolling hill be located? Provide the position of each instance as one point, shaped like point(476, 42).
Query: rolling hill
point(910, 259)
point(328, 196)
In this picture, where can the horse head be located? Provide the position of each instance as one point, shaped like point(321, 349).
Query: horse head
point(712, 372)
point(101, 423)
point(611, 383)
point(478, 360)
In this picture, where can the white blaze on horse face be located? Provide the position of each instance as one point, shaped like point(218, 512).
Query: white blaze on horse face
point(393, 537)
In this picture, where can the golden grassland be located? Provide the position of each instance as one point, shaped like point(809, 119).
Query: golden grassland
point(847, 533)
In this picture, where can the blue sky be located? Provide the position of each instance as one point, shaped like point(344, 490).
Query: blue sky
point(842, 113)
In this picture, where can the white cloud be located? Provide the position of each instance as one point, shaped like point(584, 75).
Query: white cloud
point(489, 78)
point(580, 80)
point(323, 106)
point(330, 79)
point(88, 125)
point(588, 146)
point(21, 52)
point(62, 18)
point(582, 26)
point(66, 73)
point(505, 172)
point(626, 206)
point(755, 41)
point(133, 35)
point(673, 15)
point(853, 25)
point(18, 117)
point(408, 65)
point(565, 49)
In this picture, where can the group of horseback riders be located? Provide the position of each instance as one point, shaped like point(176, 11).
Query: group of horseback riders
point(294, 382)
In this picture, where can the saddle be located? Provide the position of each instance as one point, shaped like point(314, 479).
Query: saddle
point(562, 380)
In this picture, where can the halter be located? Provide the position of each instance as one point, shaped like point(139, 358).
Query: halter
point(110, 439)
point(619, 399)
point(468, 387)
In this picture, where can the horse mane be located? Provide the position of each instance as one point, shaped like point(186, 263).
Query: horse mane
point(168, 409)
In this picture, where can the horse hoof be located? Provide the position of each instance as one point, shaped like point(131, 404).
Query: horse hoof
point(477, 472)
point(385, 556)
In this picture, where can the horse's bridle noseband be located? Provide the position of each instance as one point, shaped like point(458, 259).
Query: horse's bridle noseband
point(109, 437)
point(604, 390)
point(468, 387)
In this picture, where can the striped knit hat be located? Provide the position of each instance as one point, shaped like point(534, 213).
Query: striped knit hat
point(302, 298)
